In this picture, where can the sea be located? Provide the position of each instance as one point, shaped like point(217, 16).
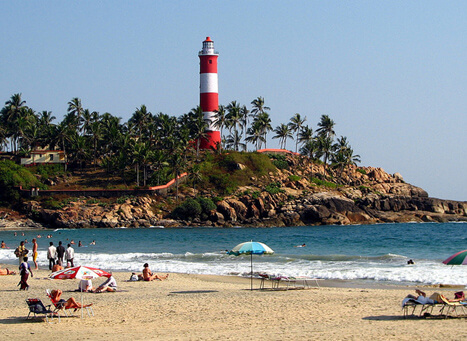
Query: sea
point(358, 253)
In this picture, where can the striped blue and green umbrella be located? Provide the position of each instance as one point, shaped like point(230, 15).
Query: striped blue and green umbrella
point(251, 248)
point(459, 258)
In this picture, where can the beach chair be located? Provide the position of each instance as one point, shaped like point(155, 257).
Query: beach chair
point(275, 280)
point(37, 307)
point(412, 304)
point(451, 307)
point(60, 306)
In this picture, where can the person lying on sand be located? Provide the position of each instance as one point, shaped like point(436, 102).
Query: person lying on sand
point(4, 272)
point(70, 303)
point(149, 276)
point(109, 285)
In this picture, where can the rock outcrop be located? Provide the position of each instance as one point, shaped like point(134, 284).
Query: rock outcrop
point(304, 197)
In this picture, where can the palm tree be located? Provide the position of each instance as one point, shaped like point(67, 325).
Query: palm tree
point(258, 106)
point(234, 115)
point(195, 176)
point(305, 134)
point(10, 113)
point(219, 118)
point(310, 149)
point(244, 113)
point(325, 148)
point(264, 125)
point(255, 136)
point(283, 132)
point(140, 120)
point(343, 155)
point(197, 126)
point(234, 141)
point(326, 127)
point(296, 124)
point(46, 127)
point(75, 111)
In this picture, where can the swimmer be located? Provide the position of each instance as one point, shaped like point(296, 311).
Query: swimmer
point(3, 246)
point(303, 245)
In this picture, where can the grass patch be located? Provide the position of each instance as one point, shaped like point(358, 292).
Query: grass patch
point(324, 183)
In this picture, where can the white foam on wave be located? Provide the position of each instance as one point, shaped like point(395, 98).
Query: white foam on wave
point(218, 263)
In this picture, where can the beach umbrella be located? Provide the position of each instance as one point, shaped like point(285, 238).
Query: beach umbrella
point(79, 272)
point(251, 248)
point(459, 258)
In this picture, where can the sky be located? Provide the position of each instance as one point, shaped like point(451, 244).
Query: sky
point(391, 74)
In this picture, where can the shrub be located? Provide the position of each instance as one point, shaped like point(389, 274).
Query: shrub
point(52, 204)
point(324, 183)
point(207, 205)
point(274, 188)
point(295, 177)
point(188, 210)
point(255, 194)
point(13, 175)
point(360, 170)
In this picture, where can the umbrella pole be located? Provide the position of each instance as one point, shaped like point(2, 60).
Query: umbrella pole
point(251, 271)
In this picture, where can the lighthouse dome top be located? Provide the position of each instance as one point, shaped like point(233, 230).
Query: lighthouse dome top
point(208, 47)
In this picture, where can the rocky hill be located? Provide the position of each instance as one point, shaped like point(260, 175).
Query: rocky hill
point(299, 195)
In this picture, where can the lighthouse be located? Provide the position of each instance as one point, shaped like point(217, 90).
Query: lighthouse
point(208, 92)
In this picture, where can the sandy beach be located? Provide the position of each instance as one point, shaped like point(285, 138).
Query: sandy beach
point(196, 307)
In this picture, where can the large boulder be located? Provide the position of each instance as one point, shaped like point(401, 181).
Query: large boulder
point(227, 211)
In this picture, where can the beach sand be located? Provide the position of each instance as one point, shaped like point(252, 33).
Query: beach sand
point(197, 307)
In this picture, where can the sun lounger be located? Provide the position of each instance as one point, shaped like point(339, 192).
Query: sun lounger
point(445, 307)
point(452, 307)
point(60, 306)
point(37, 307)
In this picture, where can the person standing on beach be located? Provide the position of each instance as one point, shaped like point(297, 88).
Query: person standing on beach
point(34, 253)
point(21, 251)
point(25, 269)
point(69, 255)
point(51, 255)
point(60, 252)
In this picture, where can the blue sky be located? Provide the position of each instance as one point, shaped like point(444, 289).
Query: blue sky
point(391, 74)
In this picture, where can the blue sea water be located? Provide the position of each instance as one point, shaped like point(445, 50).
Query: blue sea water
point(377, 253)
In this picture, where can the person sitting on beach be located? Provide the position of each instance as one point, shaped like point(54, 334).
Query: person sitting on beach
point(85, 285)
point(109, 285)
point(70, 303)
point(149, 276)
point(57, 267)
point(134, 277)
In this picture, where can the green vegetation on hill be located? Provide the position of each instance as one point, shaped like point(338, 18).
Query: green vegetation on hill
point(11, 176)
point(226, 172)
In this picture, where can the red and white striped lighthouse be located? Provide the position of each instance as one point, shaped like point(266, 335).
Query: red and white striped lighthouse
point(208, 92)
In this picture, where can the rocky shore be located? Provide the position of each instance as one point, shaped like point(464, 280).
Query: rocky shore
point(364, 196)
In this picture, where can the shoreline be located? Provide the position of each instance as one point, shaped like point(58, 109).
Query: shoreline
point(324, 283)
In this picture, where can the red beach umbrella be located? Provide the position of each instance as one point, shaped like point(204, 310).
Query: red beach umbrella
point(79, 272)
